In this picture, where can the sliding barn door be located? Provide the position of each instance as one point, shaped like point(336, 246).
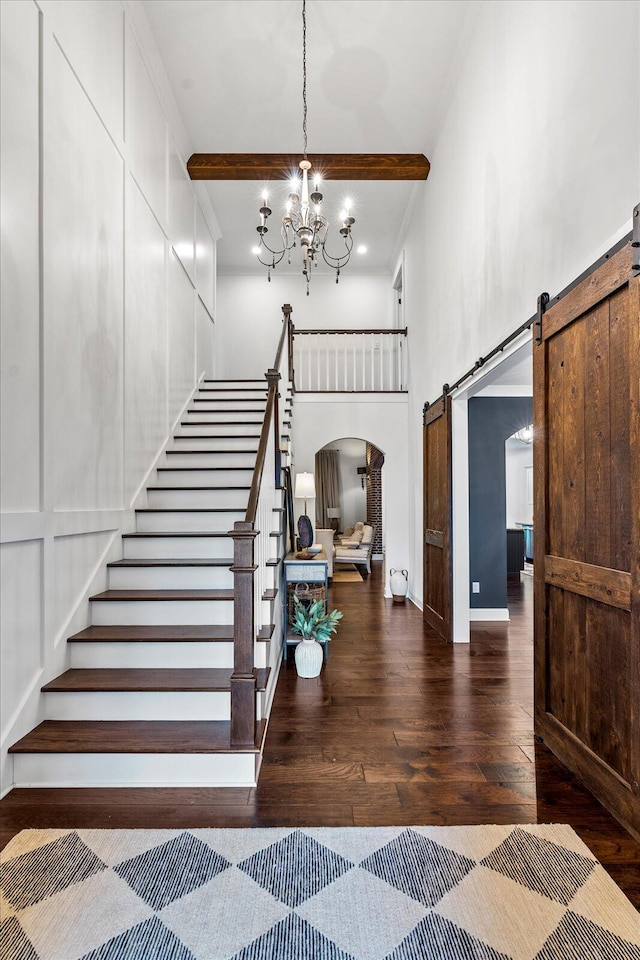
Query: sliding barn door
point(587, 534)
point(437, 518)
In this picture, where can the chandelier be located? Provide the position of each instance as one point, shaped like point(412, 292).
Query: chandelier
point(303, 222)
point(525, 435)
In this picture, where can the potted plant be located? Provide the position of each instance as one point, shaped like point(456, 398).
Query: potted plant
point(313, 625)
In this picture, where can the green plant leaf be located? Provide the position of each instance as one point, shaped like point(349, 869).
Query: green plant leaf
point(312, 621)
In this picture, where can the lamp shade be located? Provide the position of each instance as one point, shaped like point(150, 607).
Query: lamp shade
point(333, 513)
point(305, 486)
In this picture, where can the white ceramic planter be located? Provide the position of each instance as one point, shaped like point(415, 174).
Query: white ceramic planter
point(309, 658)
point(399, 583)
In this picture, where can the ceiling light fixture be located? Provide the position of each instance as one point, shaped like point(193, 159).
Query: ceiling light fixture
point(303, 220)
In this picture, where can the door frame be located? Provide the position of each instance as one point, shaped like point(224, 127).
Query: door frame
point(460, 607)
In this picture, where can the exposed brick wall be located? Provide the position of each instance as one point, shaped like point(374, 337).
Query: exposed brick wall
point(375, 461)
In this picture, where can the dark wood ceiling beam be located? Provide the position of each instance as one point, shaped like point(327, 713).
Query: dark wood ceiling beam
point(331, 166)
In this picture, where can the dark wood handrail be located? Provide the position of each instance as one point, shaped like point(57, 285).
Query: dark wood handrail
point(395, 330)
point(252, 506)
point(283, 336)
point(272, 376)
point(244, 534)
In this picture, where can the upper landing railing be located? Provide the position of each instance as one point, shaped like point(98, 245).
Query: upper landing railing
point(349, 361)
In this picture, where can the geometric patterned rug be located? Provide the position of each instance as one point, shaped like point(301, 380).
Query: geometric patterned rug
point(417, 893)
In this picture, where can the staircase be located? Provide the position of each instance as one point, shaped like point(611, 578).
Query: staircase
point(147, 698)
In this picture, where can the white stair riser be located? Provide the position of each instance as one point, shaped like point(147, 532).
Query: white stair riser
point(143, 705)
point(134, 769)
point(180, 522)
point(158, 612)
point(106, 613)
point(179, 548)
point(217, 393)
point(182, 458)
point(121, 705)
point(227, 430)
point(225, 419)
point(255, 405)
point(170, 578)
point(215, 444)
point(252, 413)
point(208, 499)
point(134, 655)
point(261, 654)
point(204, 478)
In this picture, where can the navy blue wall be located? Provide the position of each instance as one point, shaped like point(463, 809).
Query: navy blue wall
point(491, 421)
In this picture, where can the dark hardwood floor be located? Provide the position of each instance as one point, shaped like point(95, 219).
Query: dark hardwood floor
point(400, 728)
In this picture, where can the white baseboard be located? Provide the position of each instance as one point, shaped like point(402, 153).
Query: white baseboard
point(416, 601)
point(489, 613)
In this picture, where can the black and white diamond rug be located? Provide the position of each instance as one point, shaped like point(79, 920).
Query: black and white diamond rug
point(417, 893)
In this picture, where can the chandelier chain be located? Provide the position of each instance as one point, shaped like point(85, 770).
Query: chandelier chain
point(304, 75)
point(303, 224)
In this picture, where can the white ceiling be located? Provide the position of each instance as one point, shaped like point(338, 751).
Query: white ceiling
point(379, 75)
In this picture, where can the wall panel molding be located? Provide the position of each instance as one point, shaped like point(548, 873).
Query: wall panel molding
point(99, 318)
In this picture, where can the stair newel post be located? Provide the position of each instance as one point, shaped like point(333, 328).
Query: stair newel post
point(287, 311)
point(273, 378)
point(243, 679)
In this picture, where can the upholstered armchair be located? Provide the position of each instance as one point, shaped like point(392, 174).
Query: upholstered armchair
point(357, 547)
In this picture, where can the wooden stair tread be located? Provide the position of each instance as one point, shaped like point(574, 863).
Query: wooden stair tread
point(180, 633)
point(220, 423)
point(227, 410)
point(163, 595)
point(261, 389)
point(248, 469)
point(270, 594)
point(208, 487)
point(208, 452)
point(170, 562)
point(134, 736)
point(239, 380)
point(274, 562)
point(236, 509)
point(217, 436)
point(205, 436)
point(154, 680)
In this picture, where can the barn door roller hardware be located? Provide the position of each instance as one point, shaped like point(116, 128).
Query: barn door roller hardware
point(543, 300)
point(635, 241)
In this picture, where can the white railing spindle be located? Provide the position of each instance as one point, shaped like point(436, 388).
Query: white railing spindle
point(349, 360)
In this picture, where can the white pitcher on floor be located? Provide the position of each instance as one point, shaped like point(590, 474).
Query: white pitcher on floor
point(399, 582)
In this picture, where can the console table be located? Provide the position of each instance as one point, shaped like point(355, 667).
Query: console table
point(313, 573)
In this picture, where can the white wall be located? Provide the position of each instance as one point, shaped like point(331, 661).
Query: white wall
point(535, 174)
point(518, 459)
point(249, 313)
point(108, 259)
point(320, 419)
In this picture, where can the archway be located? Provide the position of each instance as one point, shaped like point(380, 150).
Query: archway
point(348, 473)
